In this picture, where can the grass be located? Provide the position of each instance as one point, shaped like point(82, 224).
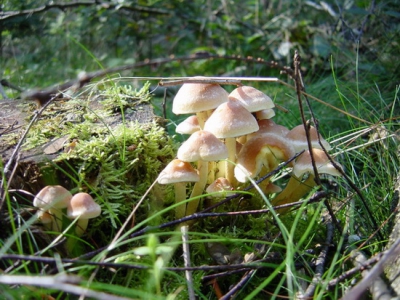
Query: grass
point(138, 266)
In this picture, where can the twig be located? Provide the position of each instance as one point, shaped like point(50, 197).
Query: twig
point(62, 6)
point(245, 278)
point(360, 267)
point(371, 276)
point(257, 264)
point(320, 263)
point(66, 283)
point(186, 259)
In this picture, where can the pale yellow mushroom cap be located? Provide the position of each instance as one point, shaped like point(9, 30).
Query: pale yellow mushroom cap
point(197, 97)
point(83, 206)
point(202, 145)
point(178, 171)
point(231, 119)
point(303, 164)
point(251, 98)
point(52, 196)
point(299, 139)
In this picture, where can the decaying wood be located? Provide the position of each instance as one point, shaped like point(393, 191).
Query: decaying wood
point(14, 119)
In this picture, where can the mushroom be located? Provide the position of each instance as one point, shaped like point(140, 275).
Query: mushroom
point(202, 146)
point(221, 187)
point(263, 150)
point(45, 218)
point(53, 198)
point(269, 126)
point(251, 98)
point(299, 138)
point(198, 98)
point(82, 206)
point(188, 126)
point(265, 114)
point(229, 121)
point(295, 188)
point(178, 173)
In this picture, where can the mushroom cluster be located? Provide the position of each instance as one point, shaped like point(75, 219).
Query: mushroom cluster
point(232, 139)
point(54, 201)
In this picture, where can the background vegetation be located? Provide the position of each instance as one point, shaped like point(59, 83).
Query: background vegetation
point(349, 52)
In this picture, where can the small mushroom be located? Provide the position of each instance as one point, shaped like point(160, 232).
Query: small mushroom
point(188, 126)
point(252, 99)
point(82, 206)
point(295, 188)
point(229, 121)
point(299, 139)
point(266, 151)
point(221, 187)
point(53, 198)
point(202, 146)
point(178, 173)
point(198, 98)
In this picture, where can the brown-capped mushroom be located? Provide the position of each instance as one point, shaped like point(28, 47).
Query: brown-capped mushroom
point(53, 198)
point(178, 173)
point(82, 206)
point(201, 147)
point(299, 139)
point(198, 98)
point(229, 121)
point(295, 188)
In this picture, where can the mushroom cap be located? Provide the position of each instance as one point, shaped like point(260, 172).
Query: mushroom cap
point(188, 126)
point(202, 145)
point(44, 216)
point(231, 119)
point(52, 196)
point(265, 114)
point(251, 98)
point(196, 97)
point(83, 206)
point(299, 138)
point(269, 126)
point(222, 186)
point(178, 171)
point(262, 150)
point(303, 164)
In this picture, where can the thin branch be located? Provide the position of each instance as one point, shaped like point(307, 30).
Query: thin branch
point(63, 6)
point(370, 277)
point(186, 258)
point(319, 264)
point(66, 283)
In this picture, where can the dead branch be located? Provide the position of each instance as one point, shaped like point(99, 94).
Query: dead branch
point(63, 6)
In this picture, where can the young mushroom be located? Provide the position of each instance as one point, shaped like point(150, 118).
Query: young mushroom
point(198, 98)
point(229, 121)
point(203, 147)
point(266, 151)
point(295, 188)
point(82, 206)
point(188, 126)
point(178, 173)
point(299, 138)
point(53, 198)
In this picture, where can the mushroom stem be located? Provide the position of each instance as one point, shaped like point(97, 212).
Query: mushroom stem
point(57, 215)
point(81, 226)
point(202, 117)
point(198, 188)
point(229, 166)
point(180, 195)
point(293, 192)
